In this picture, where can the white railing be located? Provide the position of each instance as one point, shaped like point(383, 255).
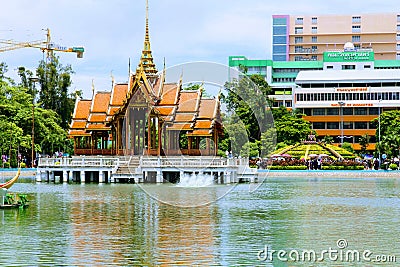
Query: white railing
point(78, 162)
point(191, 162)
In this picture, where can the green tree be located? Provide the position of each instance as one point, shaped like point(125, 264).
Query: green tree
point(268, 141)
point(364, 142)
point(292, 129)
point(328, 139)
point(247, 97)
point(16, 122)
point(54, 80)
point(389, 129)
point(250, 150)
point(347, 146)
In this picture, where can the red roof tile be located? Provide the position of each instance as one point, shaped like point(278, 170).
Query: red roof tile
point(101, 101)
point(203, 125)
point(82, 109)
point(78, 133)
point(118, 94)
point(188, 101)
point(184, 117)
point(207, 108)
point(78, 124)
point(97, 117)
point(165, 111)
point(169, 94)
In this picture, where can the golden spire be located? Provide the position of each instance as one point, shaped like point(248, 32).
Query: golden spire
point(146, 61)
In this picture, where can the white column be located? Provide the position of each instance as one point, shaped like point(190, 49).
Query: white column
point(159, 178)
point(38, 176)
point(65, 176)
point(101, 177)
point(82, 177)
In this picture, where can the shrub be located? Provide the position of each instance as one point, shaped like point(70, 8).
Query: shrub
point(277, 167)
point(393, 166)
point(22, 165)
point(7, 165)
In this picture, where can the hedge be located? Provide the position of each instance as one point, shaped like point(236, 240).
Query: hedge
point(355, 167)
point(277, 167)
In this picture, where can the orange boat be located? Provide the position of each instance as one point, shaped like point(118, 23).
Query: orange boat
point(9, 183)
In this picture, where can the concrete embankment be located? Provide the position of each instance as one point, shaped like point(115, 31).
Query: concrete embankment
point(329, 174)
point(9, 173)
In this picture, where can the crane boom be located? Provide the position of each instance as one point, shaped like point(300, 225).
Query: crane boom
point(45, 45)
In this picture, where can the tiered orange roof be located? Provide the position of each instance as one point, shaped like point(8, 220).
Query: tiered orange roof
point(179, 109)
point(98, 111)
point(79, 118)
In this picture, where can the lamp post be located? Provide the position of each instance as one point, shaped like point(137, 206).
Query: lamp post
point(341, 104)
point(379, 130)
point(34, 80)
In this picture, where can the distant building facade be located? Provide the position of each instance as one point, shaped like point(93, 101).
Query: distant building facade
point(305, 38)
point(339, 95)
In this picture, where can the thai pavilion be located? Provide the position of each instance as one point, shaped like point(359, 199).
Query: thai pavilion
point(147, 116)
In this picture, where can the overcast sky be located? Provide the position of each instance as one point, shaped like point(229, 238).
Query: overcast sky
point(180, 30)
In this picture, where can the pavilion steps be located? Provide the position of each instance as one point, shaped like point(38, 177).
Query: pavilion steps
point(127, 170)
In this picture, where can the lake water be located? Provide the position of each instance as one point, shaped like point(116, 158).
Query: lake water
point(121, 225)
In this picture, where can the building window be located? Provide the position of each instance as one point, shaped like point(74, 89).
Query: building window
point(398, 27)
point(314, 58)
point(314, 20)
point(318, 111)
point(356, 38)
point(279, 21)
point(314, 39)
point(288, 104)
point(298, 49)
point(373, 111)
point(398, 18)
point(298, 30)
point(397, 46)
point(329, 67)
point(360, 111)
point(347, 125)
point(398, 37)
point(332, 111)
point(361, 125)
point(355, 28)
point(332, 125)
point(367, 66)
point(298, 40)
point(398, 56)
point(348, 67)
point(356, 19)
point(357, 46)
point(299, 21)
point(314, 30)
point(314, 49)
point(318, 125)
point(347, 111)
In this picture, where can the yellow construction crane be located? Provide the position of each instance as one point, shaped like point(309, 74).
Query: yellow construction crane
point(45, 45)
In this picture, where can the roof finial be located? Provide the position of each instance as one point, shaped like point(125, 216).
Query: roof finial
point(147, 38)
point(147, 59)
point(92, 88)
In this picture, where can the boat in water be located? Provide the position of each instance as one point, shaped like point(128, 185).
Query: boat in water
point(9, 183)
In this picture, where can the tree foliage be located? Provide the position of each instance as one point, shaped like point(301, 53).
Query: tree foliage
point(390, 132)
point(16, 110)
point(247, 98)
point(290, 127)
point(54, 81)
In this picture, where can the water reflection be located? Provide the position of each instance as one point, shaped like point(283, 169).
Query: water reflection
point(103, 225)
